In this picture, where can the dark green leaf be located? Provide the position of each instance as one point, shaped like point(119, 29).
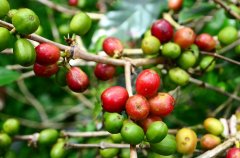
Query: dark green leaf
point(8, 76)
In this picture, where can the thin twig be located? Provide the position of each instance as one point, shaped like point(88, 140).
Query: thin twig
point(65, 10)
point(54, 29)
point(208, 86)
point(228, 9)
point(26, 75)
point(229, 47)
point(32, 100)
point(169, 18)
point(101, 145)
point(85, 134)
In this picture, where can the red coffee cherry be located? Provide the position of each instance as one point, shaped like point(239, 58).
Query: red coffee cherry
point(233, 153)
point(114, 99)
point(184, 37)
point(45, 70)
point(162, 104)
point(163, 30)
point(73, 2)
point(147, 121)
point(175, 4)
point(47, 54)
point(205, 42)
point(137, 107)
point(147, 83)
point(112, 46)
point(77, 80)
point(104, 71)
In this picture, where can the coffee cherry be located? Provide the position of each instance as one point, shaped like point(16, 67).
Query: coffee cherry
point(58, 150)
point(186, 141)
point(150, 45)
point(185, 37)
point(25, 21)
point(171, 50)
point(233, 153)
point(147, 83)
point(237, 49)
point(11, 126)
point(175, 4)
point(5, 141)
point(156, 132)
point(137, 107)
point(73, 2)
point(132, 133)
point(110, 152)
point(161, 104)
point(228, 35)
point(47, 54)
point(125, 153)
point(24, 52)
point(166, 147)
point(187, 60)
point(163, 30)
point(45, 70)
point(48, 136)
point(207, 63)
point(4, 8)
point(149, 120)
point(77, 80)
point(205, 42)
point(209, 141)
point(60, 76)
point(113, 122)
point(213, 126)
point(179, 76)
point(104, 71)
point(147, 33)
point(117, 138)
point(114, 99)
point(39, 31)
point(10, 14)
point(64, 29)
point(80, 23)
point(5, 38)
point(113, 47)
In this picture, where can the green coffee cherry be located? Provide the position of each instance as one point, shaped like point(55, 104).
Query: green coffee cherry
point(58, 150)
point(228, 35)
point(237, 49)
point(113, 122)
point(5, 38)
point(150, 45)
point(187, 60)
point(48, 136)
point(4, 8)
point(11, 126)
point(80, 23)
point(5, 141)
point(171, 50)
point(179, 76)
point(207, 63)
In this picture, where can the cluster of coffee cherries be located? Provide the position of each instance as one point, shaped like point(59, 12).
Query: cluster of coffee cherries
point(181, 48)
point(45, 58)
point(144, 110)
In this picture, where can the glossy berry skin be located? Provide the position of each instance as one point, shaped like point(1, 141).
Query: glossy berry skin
point(184, 37)
point(112, 46)
point(163, 30)
point(205, 42)
point(4, 8)
point(209, 141)
point(48, 136)
point(77, 80)
point(114, 99)
point(147, 83)
point(175, 4)
point(73, 2)
point(45, 71)
point(162, 104)
point(137, 107)
point(104, 71)
point(47, 54)
point(147, 121)
point(233, 153)
point(132, 133)
point(80, 23)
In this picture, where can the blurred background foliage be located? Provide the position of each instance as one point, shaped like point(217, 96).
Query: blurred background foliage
point(127, 20)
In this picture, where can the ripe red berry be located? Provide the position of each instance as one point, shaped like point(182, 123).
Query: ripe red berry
point(162, 104)
point(114, 99)
point(137, 107)
point(47, 54)
point(73, 2)
point(112, 46)
point(77, 80)
point(175, 4)
point(233, 153)
point(205, 42)
point(147, 83)
point(45, 70)
point(104, 71)
point(163, 30)
point(184, 37)
point(147, 121)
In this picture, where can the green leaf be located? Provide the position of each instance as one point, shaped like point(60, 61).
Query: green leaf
point(188, 14)
point(8, 76)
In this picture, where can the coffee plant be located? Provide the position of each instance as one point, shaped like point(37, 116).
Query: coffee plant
point(119, 78)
